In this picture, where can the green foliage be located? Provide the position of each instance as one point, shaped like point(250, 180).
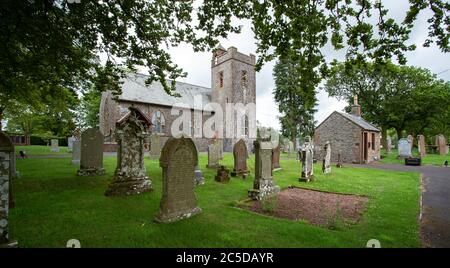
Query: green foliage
point(89, 108)
point(392, 96)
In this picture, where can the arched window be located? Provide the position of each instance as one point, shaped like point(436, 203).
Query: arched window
point(158, 122)
point(246, 131)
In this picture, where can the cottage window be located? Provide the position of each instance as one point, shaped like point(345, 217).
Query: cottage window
point(373, 141)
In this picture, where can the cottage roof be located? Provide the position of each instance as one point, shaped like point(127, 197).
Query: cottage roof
point(360, 122)
point(135, 90)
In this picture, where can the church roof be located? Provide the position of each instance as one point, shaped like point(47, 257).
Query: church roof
point(360, 122)
point(135, 90)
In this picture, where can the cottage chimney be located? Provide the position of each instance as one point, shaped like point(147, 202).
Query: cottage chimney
point(356, 108)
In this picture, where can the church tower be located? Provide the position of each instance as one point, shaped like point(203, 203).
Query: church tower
point(233, 80)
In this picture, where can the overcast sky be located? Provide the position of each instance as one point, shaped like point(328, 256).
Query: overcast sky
point(199, 70)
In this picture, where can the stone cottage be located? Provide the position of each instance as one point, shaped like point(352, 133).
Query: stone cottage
point(357, 140)
point(232, 81)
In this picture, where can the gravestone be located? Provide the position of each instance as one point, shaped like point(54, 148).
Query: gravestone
point(441, 144)
point(70, 141)
point(263, 185)
point(291, 149)
point(213, 155)
point(421, 145)
point(339, 162)
point(155, 146)
point(54, 145)
point(199, 179)
point(220, 144)
point(240, 155)
point(130, 176)
point(7, 156)
point(76, 152)
point(326, 164)
point(178, 160)
point(388, 144)
point(307, 160)
point(276, 158)
point(91, 161)
point(404, 148)
point(222, 175)
point(410, 139)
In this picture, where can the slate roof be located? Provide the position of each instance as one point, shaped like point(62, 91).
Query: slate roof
point(360, 122)
point(135, 90)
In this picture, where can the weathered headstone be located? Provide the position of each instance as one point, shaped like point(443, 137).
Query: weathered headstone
point(276, 158)
point(326, 165)
point(199, 179)
point(155, 146)
point(222, 175)
point(130, 176)
point(76, 152)
point(6, 171)
point(404, 148)
point(54, 145)
point(178, 160)
point(307, 160)
point(388, 144)
point(220, 144)
point(410, 139)
point(421, 145)
point(91, 162)
point(441, 144)
point(263, 185)
point(240, 154)
point(213, 155)
point(291, 149)
point(70, 141)
point(339, 162)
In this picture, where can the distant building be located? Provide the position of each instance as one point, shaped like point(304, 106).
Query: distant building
point(357, 140)
point(232, 81)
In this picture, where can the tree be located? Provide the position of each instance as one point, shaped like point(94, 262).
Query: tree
point(295, 96)
point(52, 45)
point(392, 96)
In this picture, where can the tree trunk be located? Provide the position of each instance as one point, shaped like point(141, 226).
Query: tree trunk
point(1, 118)
point(399, 133)
point(384, 137)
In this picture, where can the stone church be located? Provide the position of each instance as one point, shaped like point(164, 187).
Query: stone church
point(232, 81)
point(357, 140)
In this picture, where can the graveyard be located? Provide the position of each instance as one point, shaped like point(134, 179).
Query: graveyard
point(53, 205)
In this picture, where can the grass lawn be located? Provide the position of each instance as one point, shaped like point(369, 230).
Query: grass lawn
point(40, 150)
point(429, 159)
point(53, 205)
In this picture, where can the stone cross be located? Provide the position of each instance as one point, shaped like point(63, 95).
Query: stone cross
point(388, 144)
point(76, 152)
point(178, 160)
point(307, 160)
point(54, 145)
point(326, 165)
point(421, 145)
point(404, 148)
point(91, 161)
point(276, 158)
point(130, 176)
point(263, 185)
point(213, 155)
point(70, 141)
point(6, 172)
point(155, 146)
point(240, 155)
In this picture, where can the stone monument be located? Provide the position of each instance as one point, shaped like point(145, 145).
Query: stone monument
point(326, 164)
point(263, 185)
point(213, 155)
point(54, 145)
point(404, 148)
point(222, 175)
point(130, 176)
point(441, 144)
point(240, 155)
point(155, 146)
point(178, 160)
point(70, 141)
point(307, 160)
point(388, 144)
point(421, 145)
point(91, 161)
point(76, 152)
point(276, 158)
